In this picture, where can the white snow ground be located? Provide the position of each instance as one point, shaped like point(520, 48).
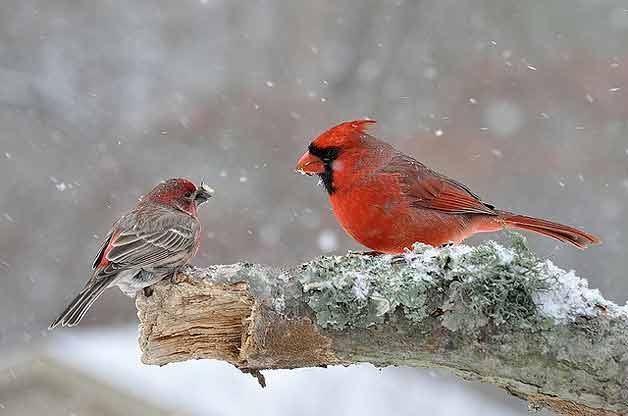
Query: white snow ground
point(206, 387)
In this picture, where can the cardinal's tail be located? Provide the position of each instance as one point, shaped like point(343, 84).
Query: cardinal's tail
point(75, 311)
point(560, 232)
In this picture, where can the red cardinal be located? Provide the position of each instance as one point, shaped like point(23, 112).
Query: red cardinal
point(159, 236)
point(387, 200)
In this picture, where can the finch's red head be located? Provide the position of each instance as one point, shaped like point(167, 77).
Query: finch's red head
point(179, 193)
point(326, 148)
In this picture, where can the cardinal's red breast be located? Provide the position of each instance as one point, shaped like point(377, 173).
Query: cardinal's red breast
point(378, 215)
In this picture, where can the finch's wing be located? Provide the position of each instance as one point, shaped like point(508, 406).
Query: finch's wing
point(102, 249)
point(429, 189)
point(150, 238)
point(168, 240)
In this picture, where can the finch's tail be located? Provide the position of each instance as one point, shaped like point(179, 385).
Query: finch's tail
point(560, 232)
point(75, 311)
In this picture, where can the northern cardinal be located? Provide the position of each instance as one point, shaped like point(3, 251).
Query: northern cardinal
point(387, 200)
point(151, 242)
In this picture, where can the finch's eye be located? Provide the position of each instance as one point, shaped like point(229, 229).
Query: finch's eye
point(188, 194)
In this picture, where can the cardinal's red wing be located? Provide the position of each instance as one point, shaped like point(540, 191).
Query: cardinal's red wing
point(429, 189)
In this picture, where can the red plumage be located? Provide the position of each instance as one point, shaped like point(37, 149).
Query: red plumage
point(387, 200)
point(154, 240)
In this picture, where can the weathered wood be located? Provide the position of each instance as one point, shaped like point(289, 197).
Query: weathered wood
point(498, 315)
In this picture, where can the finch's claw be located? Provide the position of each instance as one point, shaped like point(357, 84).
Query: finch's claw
point(178, 276)
point(187, 269)
point(148, 291)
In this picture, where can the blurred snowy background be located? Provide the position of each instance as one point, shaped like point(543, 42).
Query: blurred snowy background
point(526, 102)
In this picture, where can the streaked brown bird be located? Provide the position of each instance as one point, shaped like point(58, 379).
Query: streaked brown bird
point(151, 242)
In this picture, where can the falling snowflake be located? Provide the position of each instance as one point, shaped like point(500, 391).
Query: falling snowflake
point(504, 117)
point(269, 234)
point(327, 241)
point(430, 72)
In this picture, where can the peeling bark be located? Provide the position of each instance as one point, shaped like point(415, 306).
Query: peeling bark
point(501, 316)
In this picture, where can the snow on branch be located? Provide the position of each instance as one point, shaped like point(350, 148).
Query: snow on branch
point(495, 314)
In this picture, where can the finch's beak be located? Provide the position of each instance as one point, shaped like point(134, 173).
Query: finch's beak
point(203, 193)
point(310, 164)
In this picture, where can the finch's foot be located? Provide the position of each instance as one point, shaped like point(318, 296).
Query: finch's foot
point(148, 291)
point(177, 277)
point(187, 269)
point(451, 243)
point(180, 274)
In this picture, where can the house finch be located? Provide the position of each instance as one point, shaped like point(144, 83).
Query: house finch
point(153, 241)
point(387, 200)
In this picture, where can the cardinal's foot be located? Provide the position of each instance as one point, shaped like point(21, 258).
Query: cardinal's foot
point(399, 258)
point(371, 253)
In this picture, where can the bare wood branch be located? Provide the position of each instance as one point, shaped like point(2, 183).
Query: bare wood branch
point(498, 315)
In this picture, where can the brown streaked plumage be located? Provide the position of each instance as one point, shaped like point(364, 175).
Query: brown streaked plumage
point(159, 236)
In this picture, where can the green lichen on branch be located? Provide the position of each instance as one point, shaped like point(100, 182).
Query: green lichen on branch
point(495, 285)
point(470, 287)
point(359, 291)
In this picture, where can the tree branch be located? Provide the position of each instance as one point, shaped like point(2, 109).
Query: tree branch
point(498, 315)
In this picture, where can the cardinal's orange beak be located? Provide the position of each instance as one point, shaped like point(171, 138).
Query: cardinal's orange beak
point(310, 164)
